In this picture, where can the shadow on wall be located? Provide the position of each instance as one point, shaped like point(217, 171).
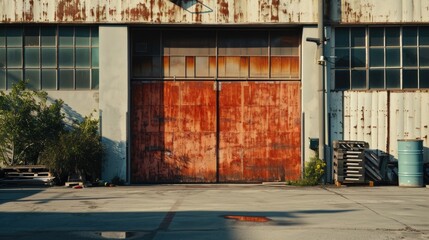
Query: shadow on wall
point(70, 114)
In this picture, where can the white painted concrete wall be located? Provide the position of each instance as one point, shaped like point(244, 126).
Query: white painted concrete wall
point(114, 80)
point(310, 94)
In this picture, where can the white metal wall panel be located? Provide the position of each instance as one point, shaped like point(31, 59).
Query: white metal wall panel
point(409, 119)
point(381, 118)
point(347, 116)
point(424, 116)
point(380, 126)
point(365, 118)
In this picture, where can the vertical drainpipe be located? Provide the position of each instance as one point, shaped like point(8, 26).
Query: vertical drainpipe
point(321, 62)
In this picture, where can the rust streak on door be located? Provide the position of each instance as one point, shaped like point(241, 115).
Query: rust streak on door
point(173, 132)
point(260, 135)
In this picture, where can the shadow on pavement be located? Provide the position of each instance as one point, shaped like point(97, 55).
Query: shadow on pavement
point(146, 225)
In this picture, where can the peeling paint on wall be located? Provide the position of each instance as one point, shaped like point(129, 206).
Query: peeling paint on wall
point(159, 11)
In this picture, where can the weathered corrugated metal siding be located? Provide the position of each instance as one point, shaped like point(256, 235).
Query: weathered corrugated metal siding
point(376, 11)
point(381, 118)
point(159, 11)
point(365, 118)
point(409, 119)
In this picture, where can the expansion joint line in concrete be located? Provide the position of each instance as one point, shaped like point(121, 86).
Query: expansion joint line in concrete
point(406, 227)
point(166, 221)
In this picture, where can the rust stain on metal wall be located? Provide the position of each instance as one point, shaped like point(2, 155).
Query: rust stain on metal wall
point(45, 12)
point(223, 11)
point(70, 10)
point(275, 10)
point(264, 10)
point(29, 15)
point(173, 132)
point(239, 14)
point(140, 12)
point(260, 131)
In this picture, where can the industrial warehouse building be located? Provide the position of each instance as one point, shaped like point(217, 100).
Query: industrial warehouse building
point(225, 91)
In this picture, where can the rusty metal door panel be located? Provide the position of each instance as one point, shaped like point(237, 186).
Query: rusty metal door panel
point(260, 124)
point(173, 126)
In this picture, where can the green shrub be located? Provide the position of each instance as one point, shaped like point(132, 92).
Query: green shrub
point(76, 151)
point(313, 172)
point(27, 123)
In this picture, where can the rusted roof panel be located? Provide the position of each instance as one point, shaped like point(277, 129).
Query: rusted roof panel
point(376, 11)
point(159, 11)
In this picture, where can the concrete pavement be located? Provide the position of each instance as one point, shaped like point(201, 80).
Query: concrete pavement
point(160, 212)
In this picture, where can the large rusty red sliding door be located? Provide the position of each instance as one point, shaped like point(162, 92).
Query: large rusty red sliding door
point(173, 129)
point(260, 131)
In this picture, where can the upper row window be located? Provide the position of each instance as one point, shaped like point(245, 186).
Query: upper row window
point(381, 58)
point(49, 57)
point(210, 54)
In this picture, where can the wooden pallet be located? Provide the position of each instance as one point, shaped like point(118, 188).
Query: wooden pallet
point(28, 174)
point(339, 184)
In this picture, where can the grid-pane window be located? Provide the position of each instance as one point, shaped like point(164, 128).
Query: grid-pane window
point(350, 61)
point(381, 58)
point(49, 57)
point(227, 54)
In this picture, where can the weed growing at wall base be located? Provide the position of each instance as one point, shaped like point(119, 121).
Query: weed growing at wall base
point(313, 172)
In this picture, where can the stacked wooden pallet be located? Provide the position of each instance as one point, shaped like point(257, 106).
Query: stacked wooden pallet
point(27, 174)
point(349, 161)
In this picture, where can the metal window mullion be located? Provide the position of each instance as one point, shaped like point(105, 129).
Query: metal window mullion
point(367, 57)
point(161, 56)
point(350, 58)
point(40, 58)
point(22, 53)
point(57, 51)
point(5, 60)
point(384, 59)
point(90, 57)
point(269, 54)
point(74, 58)
point(401, 67)
point(217, 55)
point(418, 57)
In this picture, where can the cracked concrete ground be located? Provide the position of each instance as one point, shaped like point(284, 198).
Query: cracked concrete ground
point(211, 211)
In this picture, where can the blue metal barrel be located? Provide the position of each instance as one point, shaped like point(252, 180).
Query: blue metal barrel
point(410, 163)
